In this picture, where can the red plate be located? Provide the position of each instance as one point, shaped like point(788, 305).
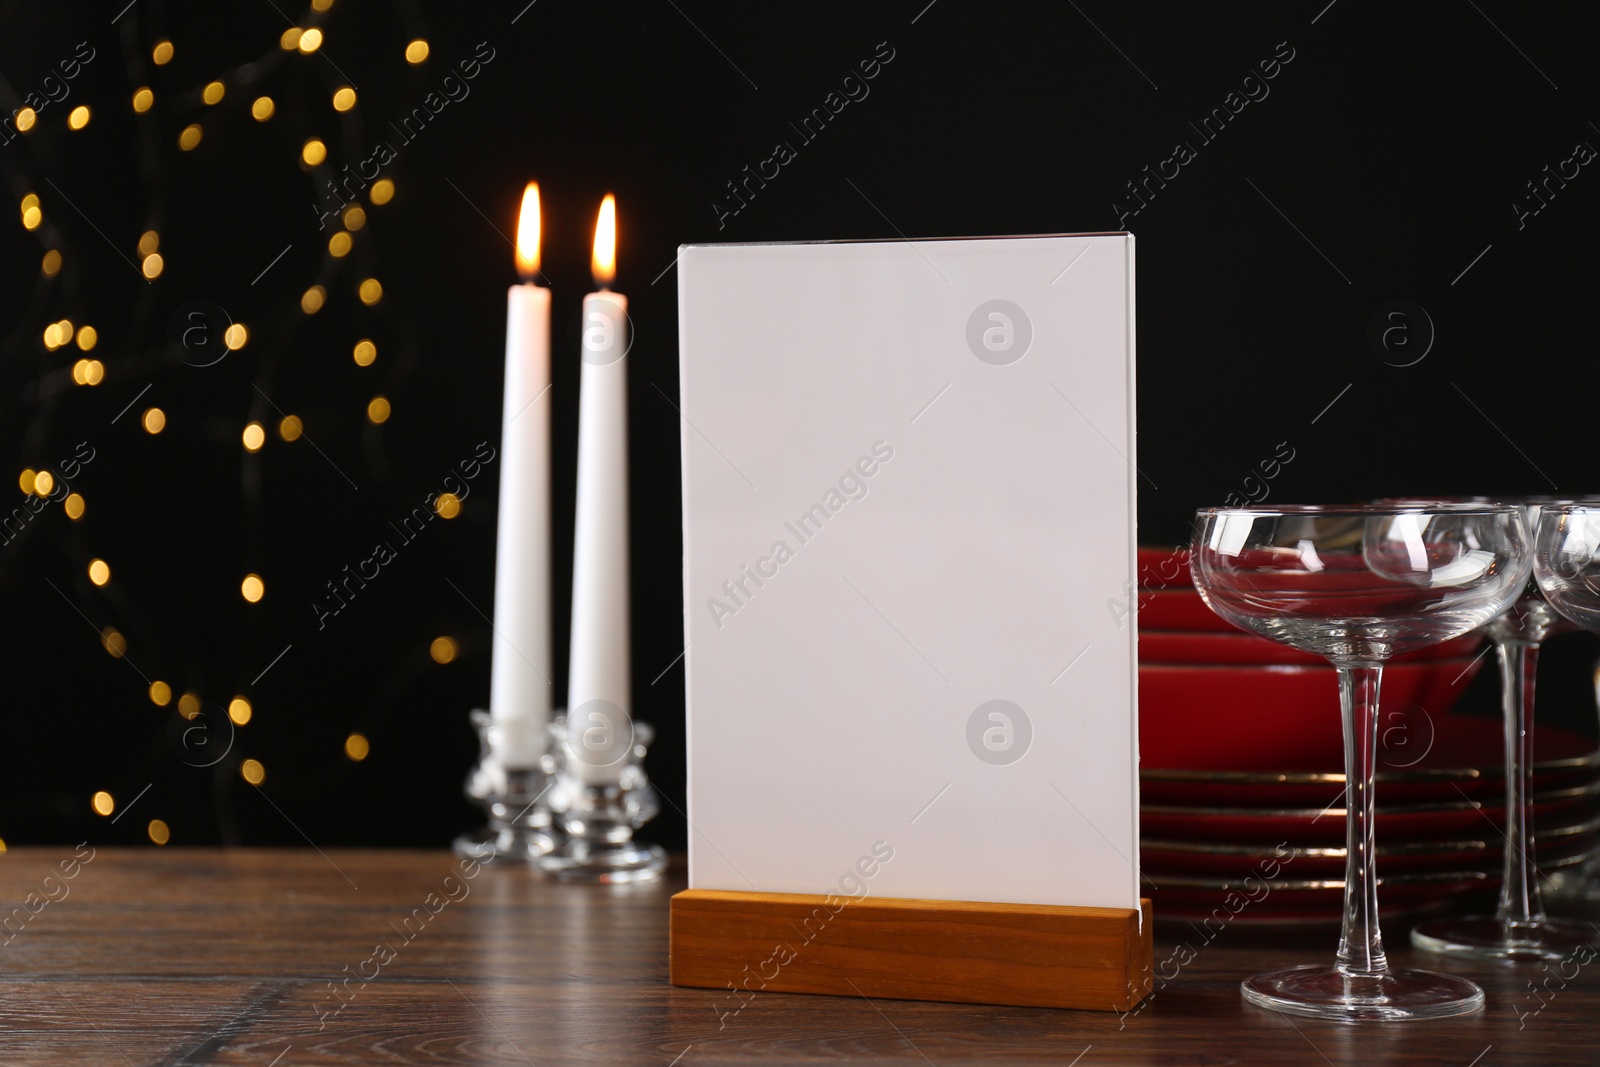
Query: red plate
point(1278, 717)
point(1220, 649)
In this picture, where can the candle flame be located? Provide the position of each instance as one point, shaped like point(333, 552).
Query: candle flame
point(604, 262)
point(528, 233)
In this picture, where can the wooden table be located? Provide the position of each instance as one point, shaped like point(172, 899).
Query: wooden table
point(177, 956)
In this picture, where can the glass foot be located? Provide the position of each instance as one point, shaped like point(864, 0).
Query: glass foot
point(1486, 938)
point(1326, 993)
point(607, 863)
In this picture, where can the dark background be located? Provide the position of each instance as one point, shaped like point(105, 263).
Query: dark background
point(1383, 165)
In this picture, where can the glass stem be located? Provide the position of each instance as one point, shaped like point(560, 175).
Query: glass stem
point(1360, 940)
point(1520, 906)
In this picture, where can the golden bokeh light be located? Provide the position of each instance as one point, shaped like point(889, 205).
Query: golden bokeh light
point(344, 99)
point(160, 693)
point(78, 117)
point(365, 352)
point(189, 705)
point(321, 5)
point(313, 152)
point(239, 710)
point(444, 649)
point(161, 54)
point(253, 588)
point(356, 747)
point(94, 371)
point(290, 39)
point(378, 410)
point(262, 108)
point(312, 299)
point(159, 832)
point(25, 479)
point(113, 642)
point(43, 483)
point(155, 420)
point(236, 336)
point(448, 505)
point(354, 217)
point(51, 265)
point(310, 41)
point(102, 803)
point(143, 99)
point(252, 771)
point(189, 139)
point(213, 92)
point(88, 337)
point(153, 265)
point(73, 506)
point(99, 569)
point(291, 428)
point(52, 336)
point(26, 118)
point(339, 245)
point(32, 212)
point(417, 51)
point(149, 241)
point(371, 291)
point(382, 192)
point(254, 437)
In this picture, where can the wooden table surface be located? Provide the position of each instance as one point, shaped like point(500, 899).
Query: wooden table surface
point(267, 957)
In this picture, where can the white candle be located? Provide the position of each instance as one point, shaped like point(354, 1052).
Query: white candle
point(519, 686)
point(600, 688)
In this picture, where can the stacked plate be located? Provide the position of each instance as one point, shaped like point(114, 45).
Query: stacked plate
point(1242, 781)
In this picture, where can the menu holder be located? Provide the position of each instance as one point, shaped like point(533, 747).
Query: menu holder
point(1028, 955)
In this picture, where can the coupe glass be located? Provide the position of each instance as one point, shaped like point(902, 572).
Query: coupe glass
point(1359, 585)
point(1519, 928)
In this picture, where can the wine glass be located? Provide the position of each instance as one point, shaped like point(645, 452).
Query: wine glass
point(1519, 928)
point(1359, 585)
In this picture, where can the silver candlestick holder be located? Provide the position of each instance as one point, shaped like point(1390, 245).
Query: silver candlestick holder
point(521, 825)
point(597, 821)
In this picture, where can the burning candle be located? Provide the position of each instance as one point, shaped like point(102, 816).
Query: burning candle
point(519, 687)
point(599, 697)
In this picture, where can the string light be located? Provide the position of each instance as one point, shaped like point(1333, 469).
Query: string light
point(32, 213)
point(312, 299)
point(51, 265)
point(88, 372)
point(254, 437)
point(357, 747)
point(43, 483)
point(313, 152)
point(290, 39)
point(78, 117)
point(25, 480)
point(99, 569)
point(143, 99)
point(153, 265)
point(290, 428)
point(417, 51)
point(252, 588)
point(159, 832)
point(378, 410)
point(113, 642)
point(189, 139)
point(239, 710)
point(371, 291)
point(365, 352)
point(160, 693)
point(213, 92)
point(344, 99)
point(88, 337)
point(189, 706)
point(235, 336)
point(448, 505)
point(310, 41)
point(73, 506)
point(339, 245)
point(443, 649)
point(321, 5)
point(382, 192)
point(354, 217)
point(252, 771)
point(26, 118)
point(262, 108)
point(161, 54)
point(103, 803)
point(154, 421)
point(149, 241)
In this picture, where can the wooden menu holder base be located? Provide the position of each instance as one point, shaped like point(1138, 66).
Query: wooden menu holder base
point(1028, 955)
